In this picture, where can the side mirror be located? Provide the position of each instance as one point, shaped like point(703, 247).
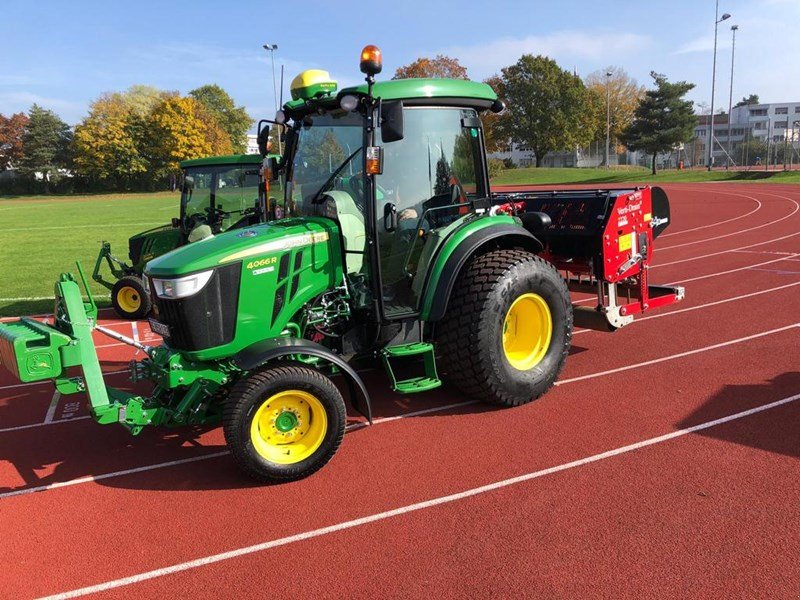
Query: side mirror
point(389, 217)
point(391, 121)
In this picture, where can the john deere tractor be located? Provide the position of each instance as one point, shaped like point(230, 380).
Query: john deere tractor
point(218, 193)
point(390, 250)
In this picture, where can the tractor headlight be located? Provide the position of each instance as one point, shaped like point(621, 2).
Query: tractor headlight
point(181, 287)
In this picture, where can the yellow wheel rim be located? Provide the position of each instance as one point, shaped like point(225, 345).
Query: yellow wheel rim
point(129, 299)
point(289, 427)
point(527, 330)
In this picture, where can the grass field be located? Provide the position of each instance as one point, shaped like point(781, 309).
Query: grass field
point(42, 236)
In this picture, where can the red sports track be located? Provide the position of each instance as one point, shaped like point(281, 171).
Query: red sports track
point(664, 464)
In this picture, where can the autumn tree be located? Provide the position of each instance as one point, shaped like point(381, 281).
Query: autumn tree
point(663, 119)
point(109, 141)
point(623, 93)
point(546, 107)
point(46, 145)
point(12, 130)
point(493, 137)
point(233, 119)
point(180, 129)
point(438, 67)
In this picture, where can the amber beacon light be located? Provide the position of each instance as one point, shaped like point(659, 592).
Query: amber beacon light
point(371, 60)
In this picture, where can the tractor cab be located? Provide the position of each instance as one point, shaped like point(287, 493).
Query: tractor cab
point(219, 193)
point(396, 163)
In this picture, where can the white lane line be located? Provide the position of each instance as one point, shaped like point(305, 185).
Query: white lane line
point(679, 355)
point(88, 479)
point(135, 331)
point(706, 305)
point(34, 425)
point(758, 207)
point(51, 410)
point(409, 508)
point(415, 413)
point(19, 385)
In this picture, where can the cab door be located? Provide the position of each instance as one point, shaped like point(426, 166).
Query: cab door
point(429, 179)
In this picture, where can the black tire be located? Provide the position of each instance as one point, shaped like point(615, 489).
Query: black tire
point(131, 298)
point(470, 337)
point(249, 394)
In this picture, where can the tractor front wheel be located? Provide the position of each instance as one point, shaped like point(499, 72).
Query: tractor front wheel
point(508, 328)
point(130, 298)
point(284, 422)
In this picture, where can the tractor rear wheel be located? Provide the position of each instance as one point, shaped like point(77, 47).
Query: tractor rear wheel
point(508, 328)
point(130, 298)
point(284, 422)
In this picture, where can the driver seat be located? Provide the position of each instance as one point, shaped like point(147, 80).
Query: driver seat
point(341, 206)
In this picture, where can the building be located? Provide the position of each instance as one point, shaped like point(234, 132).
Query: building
point(252, 144)
point(774, 125)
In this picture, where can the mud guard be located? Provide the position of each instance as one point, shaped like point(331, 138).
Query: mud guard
point(261, 353)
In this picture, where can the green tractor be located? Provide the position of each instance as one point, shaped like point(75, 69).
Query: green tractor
point(218, 193)
point(391, 250)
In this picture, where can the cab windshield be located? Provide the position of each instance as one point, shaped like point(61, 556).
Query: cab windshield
point(328, 157)
point(231, 189)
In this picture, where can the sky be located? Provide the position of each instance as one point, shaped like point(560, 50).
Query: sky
point(62, 55)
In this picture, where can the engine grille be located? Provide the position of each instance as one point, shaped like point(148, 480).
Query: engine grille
point(206, 319)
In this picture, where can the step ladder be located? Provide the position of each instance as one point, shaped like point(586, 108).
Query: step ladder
point(394, 356)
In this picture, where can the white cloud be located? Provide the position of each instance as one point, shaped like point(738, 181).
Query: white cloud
point(601, 48)
point(11, 102)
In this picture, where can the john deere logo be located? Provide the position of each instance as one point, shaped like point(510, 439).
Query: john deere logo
point(40, 362)
point(247, 233)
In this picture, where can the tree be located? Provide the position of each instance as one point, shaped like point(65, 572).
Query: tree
point(492, 136)
point(747, 101)
point(438, 67)
point(108, 142)
point(180, 129)
point(663, 119)
point(233, 119)
point(624, 94)
point(12, 130)
point(46, 145)
point(142, 99)
point(547, 108)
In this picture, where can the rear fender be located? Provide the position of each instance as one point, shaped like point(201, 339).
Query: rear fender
point(472, 239)
point(261, 353)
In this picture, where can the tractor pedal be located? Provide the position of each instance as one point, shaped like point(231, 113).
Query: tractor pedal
point(406, 358)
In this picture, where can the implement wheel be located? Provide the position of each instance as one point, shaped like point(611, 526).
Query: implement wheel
point(508, 328)
point(130, 298)
point(284, 422)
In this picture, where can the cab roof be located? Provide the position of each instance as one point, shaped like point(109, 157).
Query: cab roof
point(229, 159)
point(415, 91)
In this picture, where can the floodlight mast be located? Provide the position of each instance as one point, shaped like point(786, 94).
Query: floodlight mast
point(717, 21)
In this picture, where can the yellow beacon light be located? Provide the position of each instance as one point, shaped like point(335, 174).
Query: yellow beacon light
point(371, 60)
point(312, 84)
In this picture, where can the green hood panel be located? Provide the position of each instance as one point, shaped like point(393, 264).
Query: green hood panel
point(253, 243)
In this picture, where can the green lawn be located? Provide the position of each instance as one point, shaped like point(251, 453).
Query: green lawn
point(544, 176)
point(43, 236)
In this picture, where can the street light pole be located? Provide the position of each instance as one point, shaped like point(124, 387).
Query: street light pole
point(608, 116)
point(717, 21)
point(271, 49)
point(734, 28)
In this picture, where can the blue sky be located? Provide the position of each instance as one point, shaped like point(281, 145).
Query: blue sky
point(64, 54)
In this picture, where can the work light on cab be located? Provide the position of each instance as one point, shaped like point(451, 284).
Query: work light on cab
point(371, 60)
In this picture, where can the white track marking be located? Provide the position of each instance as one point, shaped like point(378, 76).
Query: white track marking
point(758, 207)
point(741, 231)
point(34, 425)
point(409, 508)
point(679, 355)
point(51, 410)
point(89, 479)
point(135, 331)
point(416, 413)
point(96, 226)
point(19, 385)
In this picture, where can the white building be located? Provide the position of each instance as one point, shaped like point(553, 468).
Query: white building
point(252, 144)
point(777, 123)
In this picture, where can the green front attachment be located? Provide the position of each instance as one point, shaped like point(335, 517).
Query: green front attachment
point(33, 351)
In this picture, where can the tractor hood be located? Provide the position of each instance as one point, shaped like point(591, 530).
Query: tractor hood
point(254, 243)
